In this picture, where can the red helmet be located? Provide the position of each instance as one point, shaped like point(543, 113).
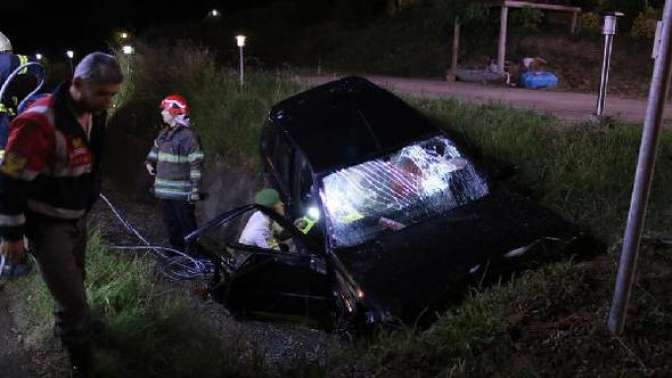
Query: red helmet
point(176, 105)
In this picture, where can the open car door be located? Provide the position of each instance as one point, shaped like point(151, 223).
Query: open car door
point(293, 285)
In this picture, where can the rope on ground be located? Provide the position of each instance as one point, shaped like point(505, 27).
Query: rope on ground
point(2, 264)
point(174, 265)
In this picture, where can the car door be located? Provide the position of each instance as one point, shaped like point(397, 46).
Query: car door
point(277, 283)
point(271, 283)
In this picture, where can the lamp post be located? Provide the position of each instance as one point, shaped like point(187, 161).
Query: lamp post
point(71, 55)
point(38, 56)
point(609, 30)
point(240, 41)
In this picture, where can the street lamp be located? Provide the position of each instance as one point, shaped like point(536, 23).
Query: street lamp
point(240, 41)
point(127, 49)
point(609, 30)
point(124, 35)
point(71, 54)
point(214, 13)
point(38, 56)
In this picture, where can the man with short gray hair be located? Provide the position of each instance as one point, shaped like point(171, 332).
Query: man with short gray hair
point(49, 180)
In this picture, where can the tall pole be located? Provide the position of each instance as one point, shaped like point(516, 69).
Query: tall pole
point(242, 68)
point(608, 29)
point(660, 85)
point(456, 45)
point(240, 41)
point(503, 24)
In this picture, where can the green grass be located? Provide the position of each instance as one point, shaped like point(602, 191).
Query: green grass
point(547, 322)
point(583, 172)
point(473, 339)
point(226, 116)
point(152, 329)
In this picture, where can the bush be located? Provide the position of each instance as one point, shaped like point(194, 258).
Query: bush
point(529, 19)
point(644, 25)
point(591, 22)
point(227, 117)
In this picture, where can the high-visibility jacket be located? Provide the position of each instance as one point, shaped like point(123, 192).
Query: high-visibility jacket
point(8, 63)
point(52, 163)
point(178, 160)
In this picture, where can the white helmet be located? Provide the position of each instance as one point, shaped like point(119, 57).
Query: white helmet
point(5, 44)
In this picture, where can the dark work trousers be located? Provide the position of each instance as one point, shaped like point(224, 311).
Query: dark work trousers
point(60, 248)
point(180, 220)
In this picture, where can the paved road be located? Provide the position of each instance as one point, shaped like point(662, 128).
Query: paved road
point(575, 107)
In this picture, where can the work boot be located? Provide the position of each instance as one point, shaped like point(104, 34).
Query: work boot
point(81, 360)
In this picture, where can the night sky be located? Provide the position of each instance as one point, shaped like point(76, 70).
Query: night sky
point(34, 25)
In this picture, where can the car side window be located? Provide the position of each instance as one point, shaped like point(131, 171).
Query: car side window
point(283, 156)
point(305, 178)
point(268, 141)
point(302, 182)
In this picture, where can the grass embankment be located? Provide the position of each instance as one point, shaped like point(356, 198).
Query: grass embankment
point(530, 326)
point(582, 171)
point(226, 116)
point(151, 330)
point(551, 321)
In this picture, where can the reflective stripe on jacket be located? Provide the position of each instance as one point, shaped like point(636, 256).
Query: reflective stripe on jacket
point(177, 156)
point(51, 165)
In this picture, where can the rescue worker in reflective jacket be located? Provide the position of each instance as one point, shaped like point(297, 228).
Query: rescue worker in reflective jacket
point(49, 180)
point(261, 231)
point(9, 62)
point(176, 162)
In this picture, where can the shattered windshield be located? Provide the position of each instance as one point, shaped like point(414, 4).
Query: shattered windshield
point(419, 181)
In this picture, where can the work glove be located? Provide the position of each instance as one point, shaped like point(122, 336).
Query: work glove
point(300, 223)
point(150, 169)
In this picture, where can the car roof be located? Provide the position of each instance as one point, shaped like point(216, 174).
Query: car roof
point(347, 121)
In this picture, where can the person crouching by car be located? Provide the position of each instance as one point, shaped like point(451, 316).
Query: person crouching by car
point(261, 231)
point(176, 162)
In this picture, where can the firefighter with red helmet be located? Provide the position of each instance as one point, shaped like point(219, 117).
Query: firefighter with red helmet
point(176, 162)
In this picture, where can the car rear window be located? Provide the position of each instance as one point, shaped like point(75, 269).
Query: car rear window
point(418, 182)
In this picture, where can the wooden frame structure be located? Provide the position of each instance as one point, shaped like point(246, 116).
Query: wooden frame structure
point(503, 26)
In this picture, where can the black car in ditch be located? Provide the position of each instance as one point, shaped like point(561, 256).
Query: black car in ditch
point(403, 217)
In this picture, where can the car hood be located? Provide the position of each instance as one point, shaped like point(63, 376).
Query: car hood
point(405, 271)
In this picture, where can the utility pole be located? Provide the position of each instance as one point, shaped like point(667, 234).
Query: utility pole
point(660, 85)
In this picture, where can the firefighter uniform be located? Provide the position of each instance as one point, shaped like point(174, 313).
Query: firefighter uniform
point(176, 159)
